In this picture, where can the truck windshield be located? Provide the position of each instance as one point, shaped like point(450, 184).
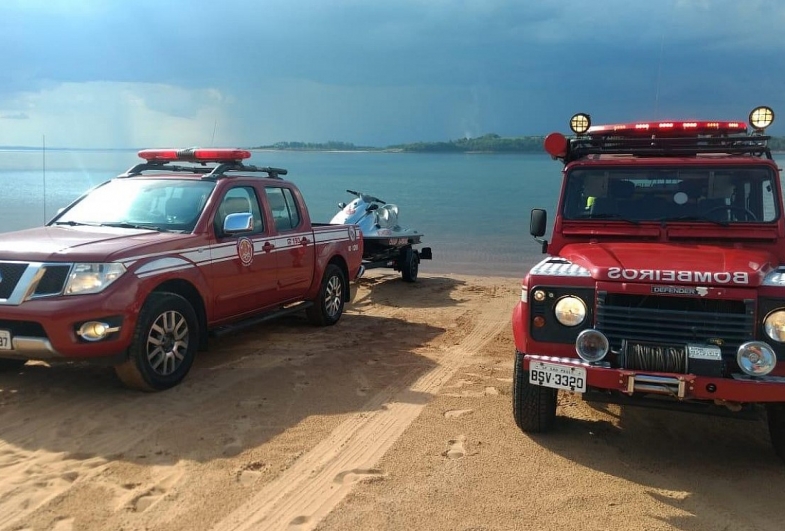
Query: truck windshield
point(713, 194)
point(157, 204)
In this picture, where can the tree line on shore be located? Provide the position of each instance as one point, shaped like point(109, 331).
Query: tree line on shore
point(490, 143)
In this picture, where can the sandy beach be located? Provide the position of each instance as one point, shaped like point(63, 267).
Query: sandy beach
point(397, 418)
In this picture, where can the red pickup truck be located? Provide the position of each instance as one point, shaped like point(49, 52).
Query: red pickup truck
point(137, 271)
point(664, 284)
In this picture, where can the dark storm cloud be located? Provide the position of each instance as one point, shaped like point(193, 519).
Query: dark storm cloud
point(411, 70)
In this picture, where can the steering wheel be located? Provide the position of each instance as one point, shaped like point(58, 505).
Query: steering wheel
point(749, 215)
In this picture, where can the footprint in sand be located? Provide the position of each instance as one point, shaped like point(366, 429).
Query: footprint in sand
point(461, 383)
point(456, 449)
point(455, 413)
point(146, 500)
point(64, 524)
point(358, 474)
point(250, 473)
point(298, 522)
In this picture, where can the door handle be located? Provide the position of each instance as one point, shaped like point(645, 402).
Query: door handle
point(304, 241)
point(267, 247)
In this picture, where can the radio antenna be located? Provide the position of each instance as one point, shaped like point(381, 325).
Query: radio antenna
point(659, 73)
point(215, 126)
point(43, 157)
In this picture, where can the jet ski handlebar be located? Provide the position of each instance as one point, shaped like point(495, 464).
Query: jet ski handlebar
point(367, 198)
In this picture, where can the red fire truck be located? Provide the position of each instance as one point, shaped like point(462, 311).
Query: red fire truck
point(664, 280)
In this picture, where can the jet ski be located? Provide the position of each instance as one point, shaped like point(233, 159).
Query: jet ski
point(385, 242)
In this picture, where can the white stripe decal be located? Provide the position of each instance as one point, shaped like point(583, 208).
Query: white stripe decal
point(162, 263)
point(168, 261)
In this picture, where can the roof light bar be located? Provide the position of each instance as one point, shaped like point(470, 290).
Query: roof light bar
point(668, 128)
point(194, 155)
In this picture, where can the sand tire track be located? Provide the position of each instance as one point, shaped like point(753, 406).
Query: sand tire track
point(307, 491)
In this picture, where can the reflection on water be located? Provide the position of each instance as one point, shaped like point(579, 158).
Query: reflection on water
point(473, 209)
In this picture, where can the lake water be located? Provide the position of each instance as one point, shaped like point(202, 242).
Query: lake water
point(472, 208)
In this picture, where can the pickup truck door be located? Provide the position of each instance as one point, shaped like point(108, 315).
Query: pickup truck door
point(295, 246)
point(244, 265)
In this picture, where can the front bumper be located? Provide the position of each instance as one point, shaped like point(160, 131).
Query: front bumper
point(45, 329)
point(739, 389)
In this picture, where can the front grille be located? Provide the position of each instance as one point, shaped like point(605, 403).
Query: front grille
point(53, 280)
point(10, 272)
point(23, 328)
point(675, 320)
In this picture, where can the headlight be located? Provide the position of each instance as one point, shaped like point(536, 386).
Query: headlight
point(92, 278)
point(774, 324)
point(756, 358)
point(570, 311)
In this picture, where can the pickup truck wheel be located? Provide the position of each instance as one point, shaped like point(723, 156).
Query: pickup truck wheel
point(328, 306)
point(533, 406)
point(7, 364)
point(410, 265)
point(775, 414)
point(164, 344)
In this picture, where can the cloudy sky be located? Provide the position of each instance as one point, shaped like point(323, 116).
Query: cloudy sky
point(140, 73)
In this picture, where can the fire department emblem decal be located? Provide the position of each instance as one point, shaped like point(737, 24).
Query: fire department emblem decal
point(245, 251)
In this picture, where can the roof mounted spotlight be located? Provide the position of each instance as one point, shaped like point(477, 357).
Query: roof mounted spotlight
point(761, 118)
point(580, 123)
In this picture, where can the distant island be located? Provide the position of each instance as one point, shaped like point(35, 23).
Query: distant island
point(490, 143)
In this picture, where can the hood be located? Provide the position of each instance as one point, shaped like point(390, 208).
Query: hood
point(72, 244)
point(668, 263)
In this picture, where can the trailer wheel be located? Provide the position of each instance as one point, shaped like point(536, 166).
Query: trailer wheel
point(8, 364)
point(533, 406)
point(328, 307)
point(410, 264)
point(775, 414)
point(164, 344)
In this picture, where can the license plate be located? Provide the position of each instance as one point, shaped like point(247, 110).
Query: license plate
point(5, 340)
point(566, 377)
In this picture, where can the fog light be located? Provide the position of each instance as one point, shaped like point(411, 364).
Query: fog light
point(592, 345)
point(95, 330)
point(580, 123)
point(761, 117)
point(756, 358)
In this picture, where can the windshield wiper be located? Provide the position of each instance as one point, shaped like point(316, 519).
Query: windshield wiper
point(695, 218)
point(77, 224)
point(127, 225)
point(611, 215)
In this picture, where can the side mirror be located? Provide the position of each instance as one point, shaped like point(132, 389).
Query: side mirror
point(538, 222)
point(537, 225)
point(239, 222)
